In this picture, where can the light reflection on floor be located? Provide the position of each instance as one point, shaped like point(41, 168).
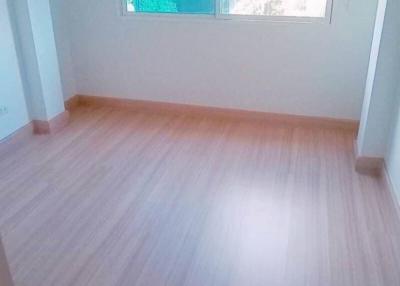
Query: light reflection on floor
point(247, 232)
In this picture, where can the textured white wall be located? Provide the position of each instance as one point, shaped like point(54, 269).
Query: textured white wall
point(308, 69)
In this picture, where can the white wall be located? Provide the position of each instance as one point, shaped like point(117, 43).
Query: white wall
point(393, 155)
point(11, 89)
point(308, 69)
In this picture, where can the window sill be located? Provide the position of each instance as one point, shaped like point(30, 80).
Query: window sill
point(226, 18)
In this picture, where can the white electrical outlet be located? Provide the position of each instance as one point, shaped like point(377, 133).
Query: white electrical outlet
point(3, 110)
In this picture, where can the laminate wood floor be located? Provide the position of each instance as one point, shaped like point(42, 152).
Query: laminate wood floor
point(130, 198)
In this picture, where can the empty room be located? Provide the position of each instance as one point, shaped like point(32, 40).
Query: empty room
point(199, 143)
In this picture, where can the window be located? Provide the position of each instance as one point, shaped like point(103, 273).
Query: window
point(252, 9)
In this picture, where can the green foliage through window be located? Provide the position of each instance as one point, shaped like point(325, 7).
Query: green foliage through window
point(172, 6)
point(163, 6)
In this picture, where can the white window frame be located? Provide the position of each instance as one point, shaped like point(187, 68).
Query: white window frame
point(219, 16)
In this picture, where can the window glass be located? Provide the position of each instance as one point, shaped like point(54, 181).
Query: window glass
point(297, 8)
point(172, 6)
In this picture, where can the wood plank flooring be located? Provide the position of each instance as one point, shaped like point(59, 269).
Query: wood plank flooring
point(134, 198)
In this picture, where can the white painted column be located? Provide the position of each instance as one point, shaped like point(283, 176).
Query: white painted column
point(380, 92)
point(39, 57)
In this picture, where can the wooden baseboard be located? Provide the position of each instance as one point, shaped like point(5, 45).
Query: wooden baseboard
point(71, 103)
point(5, 274)
point(37, 127)
point(19, 135)
point(52, 126)
point(13, 141)
point(194, 110)
point(367, 165)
